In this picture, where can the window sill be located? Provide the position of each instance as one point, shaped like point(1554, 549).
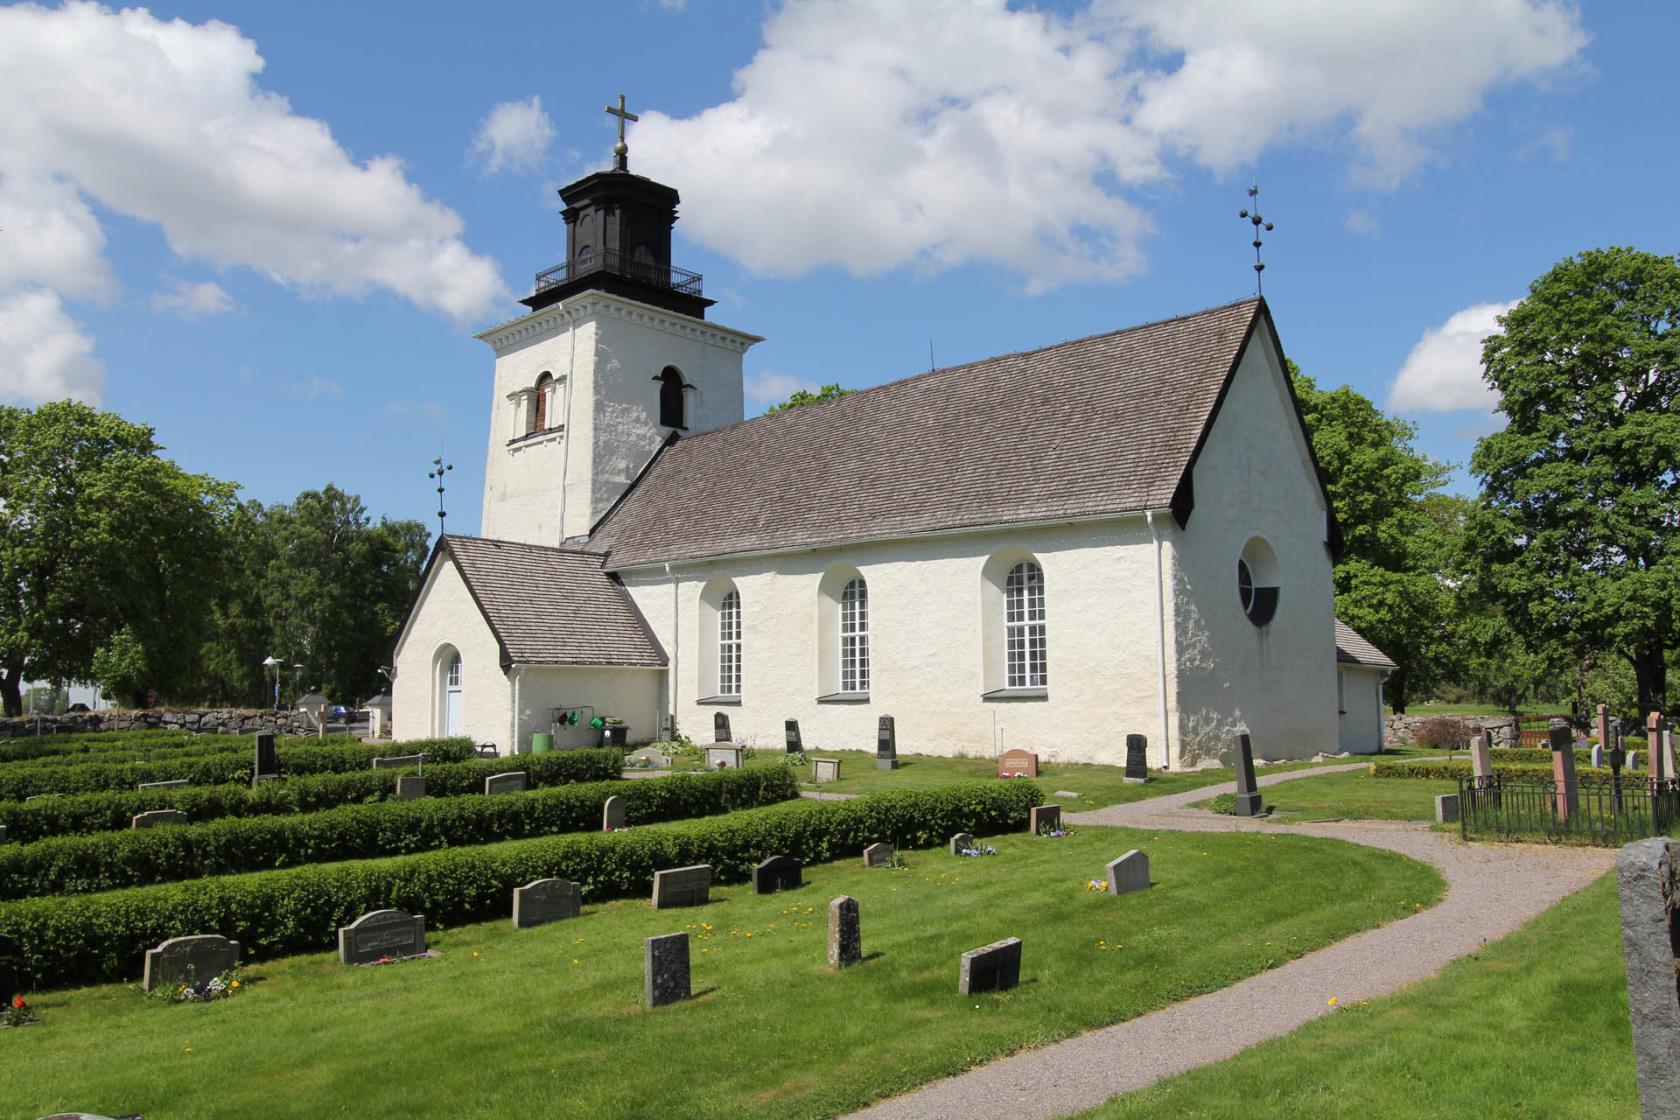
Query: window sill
point(531, 439)
point(844, 698)
point(1016, 694)
point(731, 701)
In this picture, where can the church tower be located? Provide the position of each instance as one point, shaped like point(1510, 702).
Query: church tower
point(614, 357)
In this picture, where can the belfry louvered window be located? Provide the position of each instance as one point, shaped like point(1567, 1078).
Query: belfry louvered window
point(1023, 627)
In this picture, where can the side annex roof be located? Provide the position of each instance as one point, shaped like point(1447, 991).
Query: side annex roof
point(1352, 648)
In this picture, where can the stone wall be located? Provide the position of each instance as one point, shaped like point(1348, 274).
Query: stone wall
point(1502, 730)
point(228, 720)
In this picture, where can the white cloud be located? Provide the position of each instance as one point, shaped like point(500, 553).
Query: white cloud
point(1443, 373)
point(514, 136)
point(317, 387)
point(194, 301)
point(765, 388)
point(44, 356)
point(164, 122)
point(871, 134)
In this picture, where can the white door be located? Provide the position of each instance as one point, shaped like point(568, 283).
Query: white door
point(452, 697)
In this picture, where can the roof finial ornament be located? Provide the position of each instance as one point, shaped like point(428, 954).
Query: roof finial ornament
point(621, 150)
point(1259, 224)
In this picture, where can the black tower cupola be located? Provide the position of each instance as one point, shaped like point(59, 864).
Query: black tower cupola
point(618, 240)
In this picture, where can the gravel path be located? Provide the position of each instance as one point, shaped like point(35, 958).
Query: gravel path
point(1491, 890)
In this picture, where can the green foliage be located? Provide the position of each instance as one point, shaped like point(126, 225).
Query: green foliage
point(121, 666)
point(805, 396)
point(106, 861)
point(1581, 490)
point(1225, 803)
point(89, 938)
point(95, 742)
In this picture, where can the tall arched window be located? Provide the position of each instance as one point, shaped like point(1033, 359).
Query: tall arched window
point(539, 406)
point(671, 404)
point(854, 637)
point(729, 645)
point(1023, 627)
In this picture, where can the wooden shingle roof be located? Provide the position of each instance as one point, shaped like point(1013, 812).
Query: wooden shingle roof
point(1103, 425)
point(1352, 648)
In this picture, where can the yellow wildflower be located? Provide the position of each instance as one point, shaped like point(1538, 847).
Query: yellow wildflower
point(1332, 1001)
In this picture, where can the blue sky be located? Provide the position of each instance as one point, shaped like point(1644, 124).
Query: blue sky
point(273, 238)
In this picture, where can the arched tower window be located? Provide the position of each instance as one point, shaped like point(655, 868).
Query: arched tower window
point(671, 403)
point(1023, 627)
point(854, 636)
point(539, 407)
point(729, 644)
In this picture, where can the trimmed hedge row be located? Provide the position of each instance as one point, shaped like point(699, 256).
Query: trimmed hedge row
point(1530, 755)
point(112, 860)
point(28, 779)
point(174, 746)
point(111, 810)
point(1448, 771)
point(88, 743)
point(101, 937)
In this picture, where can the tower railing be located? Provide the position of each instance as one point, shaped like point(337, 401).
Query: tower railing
point(618, 264)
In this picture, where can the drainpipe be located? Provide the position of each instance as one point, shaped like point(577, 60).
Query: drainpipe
point(676, 646)
point(1160, 639)
point(518, 677)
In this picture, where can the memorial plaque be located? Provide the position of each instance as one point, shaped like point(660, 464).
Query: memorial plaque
point(514, 781)
point(381, 934)
point(960, 841)
point(720, 728)
point(612, 814)
point(398, 762)
point(1648, 883)
point(11, 969)
point(188, 960)
point(267, 760)
point(1017, 763)
point(723, 756)
point(845, 937)
point(778, 873)
point(878, 855)
point(795, 745)
point(173, 783)
point(1044, 819)
point(886, 745)
point(665, 967)
point(1446, 808)
point(682, 886)
point(825, 770)
point(991, 968)
point(157, 817)
point(410, 787)
point(1137, 759)
point(1248, 790)
point(1129, 873)
point(545, 900)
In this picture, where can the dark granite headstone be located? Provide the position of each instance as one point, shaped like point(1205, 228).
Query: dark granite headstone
point(665, 964)
point(382, 933)
point(1248, 791)
point(1137, 758)
point(514, 781)
point(410, 787)
point(960, 841)
point(1648, 882)
point(157, 817)
point(612, 813)
point(2, 834)
point(267, 760)
point(11, 969)
point(845, 936)
point(778, 873)
point(878, 855)
point(682, 886)
point(545, 900)
point(1017, 763)
point(991, 968)
point(189, 960)
point(795, 745)
point(1043, 819)
point(720, 728)
point(886, 745)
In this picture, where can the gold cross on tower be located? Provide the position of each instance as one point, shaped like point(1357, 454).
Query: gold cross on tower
point(621, 150)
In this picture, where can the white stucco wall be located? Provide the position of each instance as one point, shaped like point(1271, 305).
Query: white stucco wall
point(605, 353)
point(1254, 478)
point(447, 616)
point(1360, 721)
point(633, 695)
point(926, 644)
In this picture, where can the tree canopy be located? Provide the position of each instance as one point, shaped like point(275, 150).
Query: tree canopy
point(805, 396)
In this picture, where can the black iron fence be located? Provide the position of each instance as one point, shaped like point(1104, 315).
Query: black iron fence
point(1607, 813)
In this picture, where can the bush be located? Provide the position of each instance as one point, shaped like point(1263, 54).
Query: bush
point(145, 746)
point(101, 937)
point(1444, 733)
point(109, 860)
point(1224, 803)
point(107, 811)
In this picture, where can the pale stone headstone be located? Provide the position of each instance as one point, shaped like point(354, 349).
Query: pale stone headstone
point(845, 937)
point(398, 762)
point(652, 758)
point(514, 781)
point(795, 745)
point(825, 770)
point(1446, 808)
point(173, 783)
point(682, 886)
point(1129, 873)
point(1248, 790)
point(411, 787)
point(382, 933)
point(157, 817)
point(960, 841)
point(665, 968)
point(11, 969)
point(1481, 759)
point(612, 814)
point(266, 761)
point(778, 873)
point(878, 855)
point(723, 756)
point(990, 968)
point(1648, 882)
point(1598, 755)
point(720, 727)
point(545, 900)
point(1633, 760)
point(886, 745)
point(188, 960)
point(1043, 819)
point(1137, 759)
point(1017, 763)
point(1568, 799)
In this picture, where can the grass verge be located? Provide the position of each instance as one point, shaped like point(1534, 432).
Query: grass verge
point(1353, 796)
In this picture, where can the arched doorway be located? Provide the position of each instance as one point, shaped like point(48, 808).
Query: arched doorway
point(451, 721)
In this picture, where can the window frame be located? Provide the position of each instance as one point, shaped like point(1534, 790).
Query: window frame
point(853, 637)
point(1026, 646)
point(729, 644)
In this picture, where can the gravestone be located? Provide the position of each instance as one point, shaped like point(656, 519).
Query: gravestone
point(157, 817)
point(1481, 761)
point(1660, 769)
point(682, 886)
point(723, 756)
point(410, 787)
point(173, 783)
point(1137, 759)
point(720, 728)
point(2, 834)
point(189, 960)
point(825, 770)
point(1568, 800)
point(778, 873)
point(845, 937)
point(1248, 791)
point(1648, 882)
point(1017, 763)
point(514, 781)
point(795, 745)
point(1128, 874)
point(990, 968)
point(1601, 725)
point(11, 969)
point(398, 762)
point(653, 759)
point(612, 814)
point(886, 745)
point(1044, 818)
point(545, 900)
point(1598, 755)
point(1446, 808)
point(960, 841)
point(1633, 760)
point(382, 933)
point(878, 855)
point(267, 760)
point(665, 968)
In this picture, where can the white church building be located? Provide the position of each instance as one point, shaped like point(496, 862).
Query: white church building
point(1123, 534)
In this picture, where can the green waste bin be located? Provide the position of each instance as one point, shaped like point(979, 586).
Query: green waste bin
point(542, 742)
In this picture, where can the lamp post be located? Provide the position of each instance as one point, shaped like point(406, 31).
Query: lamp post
point(272, 662)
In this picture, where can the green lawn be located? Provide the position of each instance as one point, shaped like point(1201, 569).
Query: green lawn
point(1353, 795)
point(1534, 1025)
point(505, 1022)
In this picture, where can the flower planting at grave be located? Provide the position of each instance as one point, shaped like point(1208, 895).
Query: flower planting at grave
point(18, 1013)
point(975, 850)
point(224, 985)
